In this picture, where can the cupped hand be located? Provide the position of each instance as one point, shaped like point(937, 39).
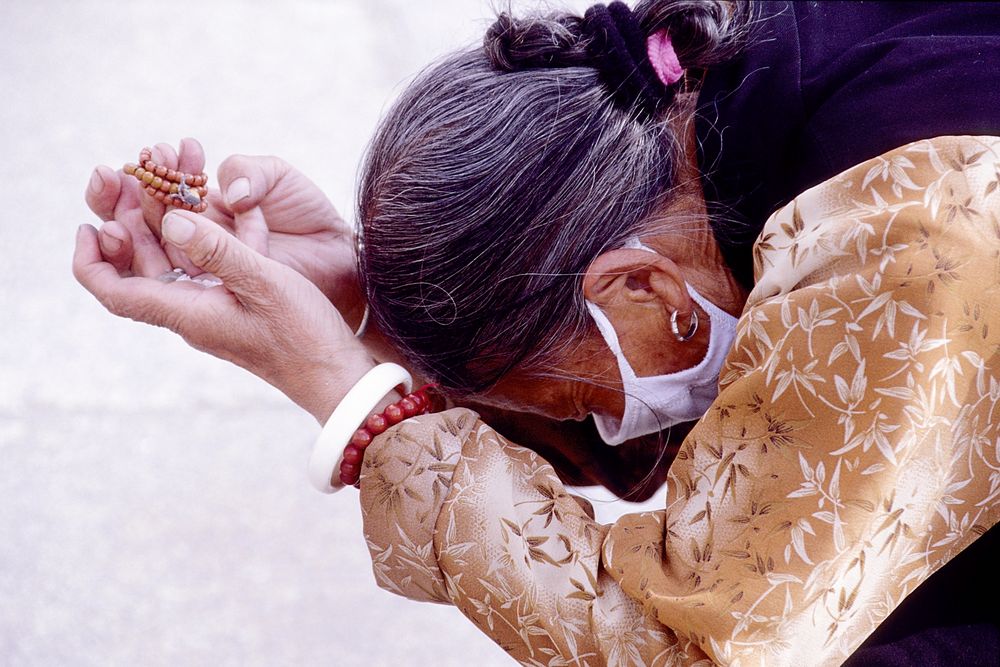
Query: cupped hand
point(299, 227)
point(265, 317)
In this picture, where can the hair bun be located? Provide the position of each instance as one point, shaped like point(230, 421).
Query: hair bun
point(535, 42)
point(703, 32)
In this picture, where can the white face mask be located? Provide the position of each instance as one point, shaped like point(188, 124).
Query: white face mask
point(659, 401)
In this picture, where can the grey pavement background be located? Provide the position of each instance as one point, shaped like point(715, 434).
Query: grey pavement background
point(153, 503)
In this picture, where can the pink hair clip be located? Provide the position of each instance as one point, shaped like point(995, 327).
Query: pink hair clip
point(663, 58)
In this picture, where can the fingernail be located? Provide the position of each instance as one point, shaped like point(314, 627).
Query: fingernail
point(178, 230)
point(238, 189)
point(110, 244)
point(96, 182)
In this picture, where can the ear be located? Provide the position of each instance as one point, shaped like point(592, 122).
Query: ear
point(628, 276)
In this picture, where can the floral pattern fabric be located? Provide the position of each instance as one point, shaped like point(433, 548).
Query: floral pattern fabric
point(854, 449)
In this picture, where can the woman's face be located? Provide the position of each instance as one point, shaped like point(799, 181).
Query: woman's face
point(637, 290)
point(585, 381)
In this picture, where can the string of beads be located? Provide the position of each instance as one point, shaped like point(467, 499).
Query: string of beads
point(416, 403)
point(169, 186)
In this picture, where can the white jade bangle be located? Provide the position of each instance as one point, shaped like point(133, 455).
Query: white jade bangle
point(347, 417)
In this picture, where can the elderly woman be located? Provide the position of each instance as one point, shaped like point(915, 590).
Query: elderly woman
point(562, 223)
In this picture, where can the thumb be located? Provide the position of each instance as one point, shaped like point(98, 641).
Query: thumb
point(211, 248)
point(245, 180)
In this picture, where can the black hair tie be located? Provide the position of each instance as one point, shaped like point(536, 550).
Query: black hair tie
point(617, 49)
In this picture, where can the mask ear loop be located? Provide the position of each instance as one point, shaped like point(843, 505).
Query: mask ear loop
point(359, 247)
point(676, 330)
point(364, 323)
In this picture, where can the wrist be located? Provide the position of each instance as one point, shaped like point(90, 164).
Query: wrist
point(355, 421)
point(321, 387)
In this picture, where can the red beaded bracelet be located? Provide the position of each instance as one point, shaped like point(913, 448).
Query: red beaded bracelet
point(417, 403)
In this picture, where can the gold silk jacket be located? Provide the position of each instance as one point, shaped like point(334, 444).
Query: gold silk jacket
point(854, 449)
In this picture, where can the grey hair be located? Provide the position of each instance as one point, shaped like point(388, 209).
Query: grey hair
point(498, 177)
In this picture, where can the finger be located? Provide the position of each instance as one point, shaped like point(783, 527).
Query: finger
point(116, 245)
point(218, 209)
point(99, 278)
point(102, 192)
point(245, 180)
point(191, 159)
point(148, 256)
point(87, 258)
point(164, 154)
point(129, 194)
point(180, 260)
point(251, 228)
point(152, 210)
point(246, 273)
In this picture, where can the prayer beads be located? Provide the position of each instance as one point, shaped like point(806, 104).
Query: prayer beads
point(169, 186)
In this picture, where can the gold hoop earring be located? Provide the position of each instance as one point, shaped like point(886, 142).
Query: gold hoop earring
point(692, 327)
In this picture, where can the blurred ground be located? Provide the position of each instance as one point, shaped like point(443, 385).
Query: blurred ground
point(153, 503)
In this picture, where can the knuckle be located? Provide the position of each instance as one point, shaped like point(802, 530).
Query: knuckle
point(277, 165)
point(81, 275)
point(263, 286)
point(227, 165)
point(232, 167)
point(210, 252)
point(116, 305)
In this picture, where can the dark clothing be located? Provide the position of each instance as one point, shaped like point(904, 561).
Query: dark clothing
point(825, 86)
point(955, 646)
point(951, 620)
